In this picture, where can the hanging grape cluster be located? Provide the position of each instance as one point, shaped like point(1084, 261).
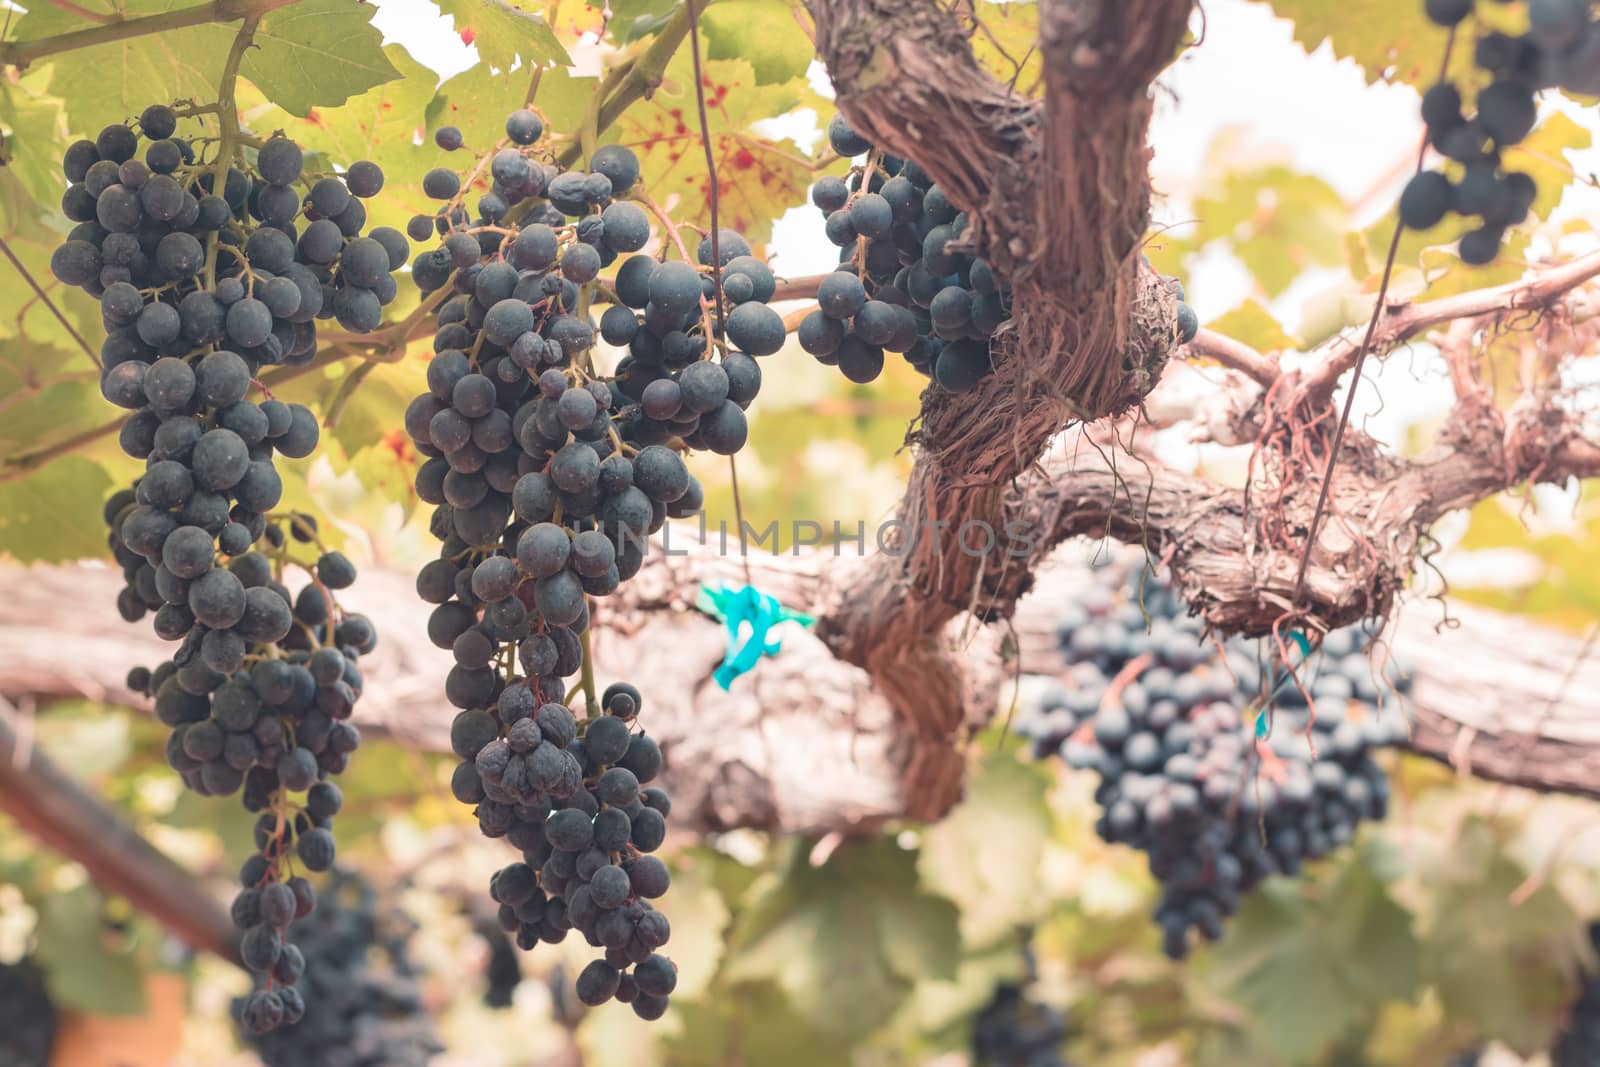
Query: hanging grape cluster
point(900, 286)
point(1015, 1029)
point(546, 476)
point(1217, 798)
point(1578, 1043)
point(905, 282)
point(198, 292)
point(28, 1017)
point(363, 1004)
point(1561, 49)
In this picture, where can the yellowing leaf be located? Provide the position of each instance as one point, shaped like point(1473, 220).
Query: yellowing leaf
point(759, 178)
point(763, 32)
point(504, 33)
point(1391, 41)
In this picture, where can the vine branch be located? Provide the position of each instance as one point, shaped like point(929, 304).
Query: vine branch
point(55, 809)
point(21, 53)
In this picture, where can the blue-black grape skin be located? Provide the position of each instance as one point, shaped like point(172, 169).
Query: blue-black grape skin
point(595, 464)
point(1175, 750)
point(189, 336)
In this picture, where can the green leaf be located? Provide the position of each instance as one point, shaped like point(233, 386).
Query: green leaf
point(762, 32)
point(53, 515)
point(987, 853)
point(113, 82)
point(1543, 156)
point(82, 971)
point(1306, 969)
point(317, 53)
point(633, 19)
point(505, 34)
point(1496, 965)
point(1253, 324)
point(751, 1024)
point(829, 938)
point(1277, 221)
point(1007, 38)
point(35, 133)
point(942, 1003)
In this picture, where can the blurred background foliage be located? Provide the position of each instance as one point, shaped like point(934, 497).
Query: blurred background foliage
point(1458, 922)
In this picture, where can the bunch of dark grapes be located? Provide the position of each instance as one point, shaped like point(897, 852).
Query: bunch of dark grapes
point(1016, 1030)
point(28, 1016)
point(1578, 1043)
point(198, 292)
point(904, 283)
point(1168, 722)
point(547, 476)
point(1560, 50)
point(358, 1013)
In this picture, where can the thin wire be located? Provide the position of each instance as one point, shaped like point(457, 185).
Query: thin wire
point(716, 251)
point(51, 304)
point(1361, 359)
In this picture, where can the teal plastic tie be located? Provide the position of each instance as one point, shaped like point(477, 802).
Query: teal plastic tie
point(749, 615)
point(1276, 684)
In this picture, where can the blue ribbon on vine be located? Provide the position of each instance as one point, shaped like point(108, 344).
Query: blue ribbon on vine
point(749, 615)
point(1275, 684)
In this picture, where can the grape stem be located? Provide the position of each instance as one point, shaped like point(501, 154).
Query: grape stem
point(228, 119)
point(643, 76)
point(591, 702)
point(21, 53)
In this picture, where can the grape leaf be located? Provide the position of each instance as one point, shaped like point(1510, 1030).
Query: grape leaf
point(987, 853)
point(633, 19)
point(1543, 156)
point(35, 133)
point(1277, 221)
point(1390, 41)
point(759, 178)
point(1308, 968)
point(1497, 966)
point(1005, 39)
point(718, 1029)
point(826, 935)
point(292, 60)
point(1253, 324)
point(368, 413)
point(504, 33)
point(317, 53)
point(81, 971)
point(53, 515)
point(111, 82)
point(762, 32)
